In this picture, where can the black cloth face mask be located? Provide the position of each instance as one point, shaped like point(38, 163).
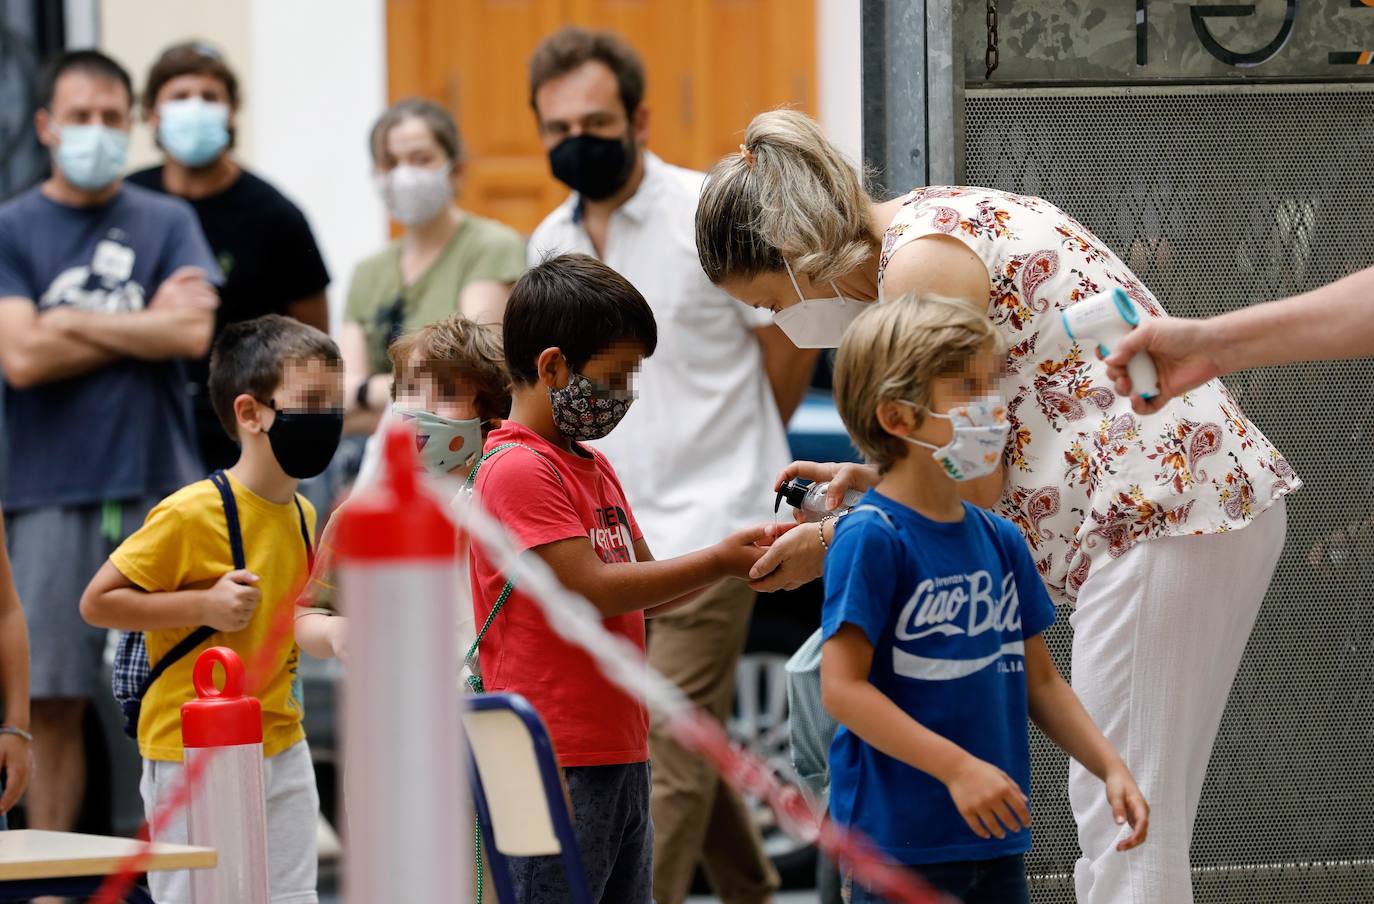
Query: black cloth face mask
point(595, 168)
point(304, 442)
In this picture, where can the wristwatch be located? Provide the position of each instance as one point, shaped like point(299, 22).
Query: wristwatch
point(361, 396)
point(10, 729)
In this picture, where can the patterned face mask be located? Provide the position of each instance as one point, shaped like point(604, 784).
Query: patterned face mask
point(444, 444)
point(583, 411)
point(980, 435)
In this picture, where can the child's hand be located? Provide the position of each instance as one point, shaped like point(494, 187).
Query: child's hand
point(737, 553)
point(229, 605)
point(989, 799)
point(16, 759)
point(1128, 805)
point(337, 633)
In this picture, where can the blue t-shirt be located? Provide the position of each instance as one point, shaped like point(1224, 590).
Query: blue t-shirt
point(122, 431)
point(947, 607)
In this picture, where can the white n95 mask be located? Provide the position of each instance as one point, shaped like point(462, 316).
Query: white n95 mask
point(817, 322)
point(414, 194)
point(980, 436)
point(444, 444)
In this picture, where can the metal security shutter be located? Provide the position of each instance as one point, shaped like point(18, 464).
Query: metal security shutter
point(1218, 197)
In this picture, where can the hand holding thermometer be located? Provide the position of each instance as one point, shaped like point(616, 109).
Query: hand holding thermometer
point(1104, 319)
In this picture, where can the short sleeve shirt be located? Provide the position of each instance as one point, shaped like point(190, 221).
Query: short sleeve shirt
point(184, 545)
point(542, 494)
point(122, 431)
point(263, 245)
point(480, 249)
point(948, 607)
point(1086, 477)
point(706, 380)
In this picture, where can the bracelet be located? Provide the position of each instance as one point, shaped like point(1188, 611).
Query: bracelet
point(820, 529)
point(19, 732)
point(361, 396)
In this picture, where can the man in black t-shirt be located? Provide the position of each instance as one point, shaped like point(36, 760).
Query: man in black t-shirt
point(262, 241)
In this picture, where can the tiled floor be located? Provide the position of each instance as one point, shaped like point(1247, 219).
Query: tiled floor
point(328, 896)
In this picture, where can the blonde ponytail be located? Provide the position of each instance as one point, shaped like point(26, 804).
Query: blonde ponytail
point(790, 194)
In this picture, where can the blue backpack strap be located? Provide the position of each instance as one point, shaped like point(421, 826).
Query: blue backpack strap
point(133, 707)
point(1007, 561)
point(870, 507)
point(305, 535)
point(231, 517)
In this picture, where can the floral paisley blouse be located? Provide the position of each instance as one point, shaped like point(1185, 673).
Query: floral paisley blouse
point(1087, 478)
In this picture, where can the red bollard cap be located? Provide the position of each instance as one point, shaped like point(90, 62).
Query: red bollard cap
point(220, 717)
point(395, 520)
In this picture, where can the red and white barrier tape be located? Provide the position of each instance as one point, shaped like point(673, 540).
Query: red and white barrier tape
point(623, 664)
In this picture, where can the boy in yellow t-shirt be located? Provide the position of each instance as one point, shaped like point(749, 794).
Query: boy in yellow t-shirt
point(277, 387)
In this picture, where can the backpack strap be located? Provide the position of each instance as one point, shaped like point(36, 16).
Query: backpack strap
point(197, 637)
point(305, 535)
point(475, 680)
point(870, 507)
point(231, 517)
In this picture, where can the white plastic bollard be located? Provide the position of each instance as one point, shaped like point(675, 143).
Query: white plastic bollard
point(404, 761)
point(228, 808)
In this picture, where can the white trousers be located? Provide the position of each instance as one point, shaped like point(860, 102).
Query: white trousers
point(1158, 637)
point(293, 807)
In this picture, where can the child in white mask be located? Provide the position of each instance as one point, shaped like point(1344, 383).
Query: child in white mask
point(933, 661)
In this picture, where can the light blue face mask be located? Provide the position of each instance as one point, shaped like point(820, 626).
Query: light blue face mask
point(193, 130)
point(91, 157)
point(444, 444)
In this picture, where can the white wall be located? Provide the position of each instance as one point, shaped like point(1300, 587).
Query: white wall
point(317, 81)
point(313, 75)
point(135, 32)
point(313, 78)
point(838, 72)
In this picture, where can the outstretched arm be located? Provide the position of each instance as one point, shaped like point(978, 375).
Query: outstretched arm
point(1329, 323)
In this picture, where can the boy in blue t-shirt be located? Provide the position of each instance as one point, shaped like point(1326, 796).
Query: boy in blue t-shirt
point(933, 613)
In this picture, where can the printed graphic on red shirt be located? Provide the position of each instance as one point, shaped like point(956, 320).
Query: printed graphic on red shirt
point(544, 494)
point(611, 537)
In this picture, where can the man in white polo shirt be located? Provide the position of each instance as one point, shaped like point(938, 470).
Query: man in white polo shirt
point(699, 450)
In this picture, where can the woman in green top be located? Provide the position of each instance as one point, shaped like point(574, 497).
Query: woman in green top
point(447, 260)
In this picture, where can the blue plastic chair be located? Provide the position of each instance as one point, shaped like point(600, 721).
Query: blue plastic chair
point(515, 782)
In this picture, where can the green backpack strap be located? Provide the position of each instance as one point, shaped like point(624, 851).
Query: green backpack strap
point(475, 680)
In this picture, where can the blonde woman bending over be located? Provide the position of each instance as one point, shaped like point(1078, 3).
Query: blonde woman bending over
point(1162, 531)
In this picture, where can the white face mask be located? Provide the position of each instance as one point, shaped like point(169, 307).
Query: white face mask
point(439, 440)
point(980, 435)
point(817, 322)
point(414, 194)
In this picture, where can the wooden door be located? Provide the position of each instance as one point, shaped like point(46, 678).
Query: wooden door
point(710, 66)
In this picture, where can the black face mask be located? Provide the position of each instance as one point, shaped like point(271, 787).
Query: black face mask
point(304, 441)
point(595, 168)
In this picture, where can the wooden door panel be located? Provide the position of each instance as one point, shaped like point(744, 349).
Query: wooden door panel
point(710, 66)
point(756, 55)
point(664, 35)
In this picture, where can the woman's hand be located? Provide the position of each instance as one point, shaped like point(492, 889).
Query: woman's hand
point(793, 558)
point(842, 478)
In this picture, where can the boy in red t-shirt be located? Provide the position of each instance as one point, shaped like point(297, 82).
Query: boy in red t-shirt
point(575, 332)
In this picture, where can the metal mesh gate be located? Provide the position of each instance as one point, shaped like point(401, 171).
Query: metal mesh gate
point(1218, 197)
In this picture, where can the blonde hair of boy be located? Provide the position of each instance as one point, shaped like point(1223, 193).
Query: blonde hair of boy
point(457, 348)
point(893, 352)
